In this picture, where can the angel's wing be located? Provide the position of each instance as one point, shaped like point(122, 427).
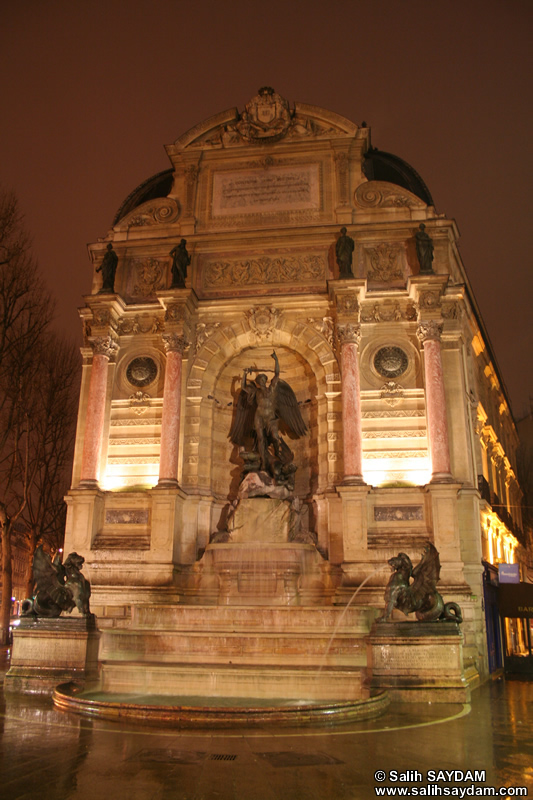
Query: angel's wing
point(243, 421)
point(426, 574)
point(288, 410)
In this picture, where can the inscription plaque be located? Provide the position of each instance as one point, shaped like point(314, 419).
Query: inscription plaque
point(259, 190)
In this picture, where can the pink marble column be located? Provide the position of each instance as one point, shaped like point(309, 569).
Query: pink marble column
point(104, 349)
point(429, 334)
point(350, 336)
point(170, 423)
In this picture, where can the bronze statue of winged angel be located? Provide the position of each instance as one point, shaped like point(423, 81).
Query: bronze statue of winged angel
point(260, 408)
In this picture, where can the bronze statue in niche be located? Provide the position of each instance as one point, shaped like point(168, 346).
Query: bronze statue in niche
point(261, 406)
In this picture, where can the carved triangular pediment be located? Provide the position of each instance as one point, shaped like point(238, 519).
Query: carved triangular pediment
point(266, 118)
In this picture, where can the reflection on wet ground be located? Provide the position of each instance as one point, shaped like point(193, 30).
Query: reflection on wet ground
point(53, 755)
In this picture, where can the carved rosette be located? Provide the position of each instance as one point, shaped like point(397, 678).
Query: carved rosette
point(429, 300)
point(429, 331)
point(101, 317)
point(347, 303)
point(262, 320)
point(348, 333)
point(104, 346)
point(175, 342)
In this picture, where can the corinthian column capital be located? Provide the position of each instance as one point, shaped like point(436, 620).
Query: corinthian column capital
point(429, 331)
point(104, 346)
point(348, 333)
point(175, 342)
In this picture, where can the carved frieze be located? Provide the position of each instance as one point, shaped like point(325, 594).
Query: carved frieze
point(398, 513)
point(385, 262)
point(133, 516)
point(264, 270)
point(139, 324)
point(416, 412)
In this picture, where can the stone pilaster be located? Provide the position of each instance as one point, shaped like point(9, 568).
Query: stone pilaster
point(429, 334)
point(104, 349)
point(349, 336)
point(175, 344)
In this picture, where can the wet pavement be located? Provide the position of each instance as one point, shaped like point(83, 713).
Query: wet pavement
point(433, 750)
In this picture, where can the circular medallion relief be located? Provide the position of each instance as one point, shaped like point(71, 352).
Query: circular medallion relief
point(141, 371)
point(390, 362)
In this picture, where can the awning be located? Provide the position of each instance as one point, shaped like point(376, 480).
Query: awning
point(515, 600)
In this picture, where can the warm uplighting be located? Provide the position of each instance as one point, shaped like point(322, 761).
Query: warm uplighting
point(411, 472)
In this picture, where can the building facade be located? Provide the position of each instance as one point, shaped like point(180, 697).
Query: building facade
point(304, 240)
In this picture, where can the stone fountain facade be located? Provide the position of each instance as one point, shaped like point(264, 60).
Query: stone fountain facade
point(378, 360)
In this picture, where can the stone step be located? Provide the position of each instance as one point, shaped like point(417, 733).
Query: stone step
point(317, 649)
point(233, 681)
point(354, 620)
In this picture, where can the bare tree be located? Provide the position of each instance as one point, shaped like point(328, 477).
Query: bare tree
point(51, 428)
point(26, 310)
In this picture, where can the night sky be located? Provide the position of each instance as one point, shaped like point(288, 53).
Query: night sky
point(91, 91)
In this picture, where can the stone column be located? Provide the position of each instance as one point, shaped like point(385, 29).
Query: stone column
point(429, 334)
point(104, 349)
point(349, 337)
point(175, 344)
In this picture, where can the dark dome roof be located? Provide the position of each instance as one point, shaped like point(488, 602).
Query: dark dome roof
point(157, 186)
point(381, 166)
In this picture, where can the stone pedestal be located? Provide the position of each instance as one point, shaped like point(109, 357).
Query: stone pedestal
point(47, 652)
point(418, 661)
point(262, 519)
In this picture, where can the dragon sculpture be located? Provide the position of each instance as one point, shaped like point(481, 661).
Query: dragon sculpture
point(420, 596)
point(58, 587)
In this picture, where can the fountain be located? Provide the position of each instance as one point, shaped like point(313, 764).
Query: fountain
point(257, 635)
